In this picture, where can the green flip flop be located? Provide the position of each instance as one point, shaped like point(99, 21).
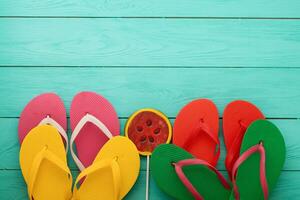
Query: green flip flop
point(262, 157)
point(182, 176)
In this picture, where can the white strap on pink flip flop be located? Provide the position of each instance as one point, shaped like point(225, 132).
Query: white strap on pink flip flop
point(84, 120)
point(50, 121)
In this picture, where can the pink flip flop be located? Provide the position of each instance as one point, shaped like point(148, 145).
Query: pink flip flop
point(93, 122)
point(46, 108)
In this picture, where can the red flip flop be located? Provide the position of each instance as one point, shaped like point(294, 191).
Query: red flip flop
point(46, 108)
point(196, 130)
point(93, 122)
point(238, 115)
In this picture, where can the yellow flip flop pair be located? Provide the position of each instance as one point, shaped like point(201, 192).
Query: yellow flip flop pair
point(44, 167)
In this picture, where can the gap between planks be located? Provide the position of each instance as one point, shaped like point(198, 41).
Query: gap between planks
point(153, 17)
point(148, 67)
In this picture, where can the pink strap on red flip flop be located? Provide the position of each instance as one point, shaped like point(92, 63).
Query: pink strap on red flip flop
point(203, 128)
point(202, 145)
point(237, 116)
point(263, 180)
point(187, 183)
point(233, 152)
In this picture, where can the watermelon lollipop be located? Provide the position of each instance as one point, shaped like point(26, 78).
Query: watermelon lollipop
point(148, 128)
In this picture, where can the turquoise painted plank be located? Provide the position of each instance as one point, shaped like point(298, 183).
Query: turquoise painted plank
point(275, 91)
point(149, 42)
point(9, 144)
point(152, 8)
point(13, 187)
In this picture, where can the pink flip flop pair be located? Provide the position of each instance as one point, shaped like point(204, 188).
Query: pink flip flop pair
point(93, 122)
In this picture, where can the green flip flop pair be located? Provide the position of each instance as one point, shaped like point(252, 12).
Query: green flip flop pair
point(255, 173)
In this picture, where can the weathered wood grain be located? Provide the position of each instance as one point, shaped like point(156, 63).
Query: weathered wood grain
point(149, 42)
point(275, 91)
point(152, 53)
point(152, 8)
point(9, 151)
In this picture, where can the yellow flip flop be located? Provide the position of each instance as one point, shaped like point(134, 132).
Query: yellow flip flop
point(44, 165)
point(112, 174)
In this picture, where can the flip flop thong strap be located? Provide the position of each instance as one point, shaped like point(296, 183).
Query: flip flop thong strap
point(50, 121)
point(233, 152)
point(86, 119)
point(263, 180)
point(97, 166)
point(44, 154)
point(202, 127)
point(178, 168)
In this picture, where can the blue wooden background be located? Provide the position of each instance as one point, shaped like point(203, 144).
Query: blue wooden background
point(151, 53)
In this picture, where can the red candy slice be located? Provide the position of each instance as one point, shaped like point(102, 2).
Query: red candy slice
point(147, 128)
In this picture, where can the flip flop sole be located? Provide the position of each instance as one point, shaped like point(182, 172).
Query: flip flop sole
point(203, 179)
point(90, 139)
point(99, 185)
point(247, 179)
point(188, 117)
point(37, 109)
point(51, 182)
